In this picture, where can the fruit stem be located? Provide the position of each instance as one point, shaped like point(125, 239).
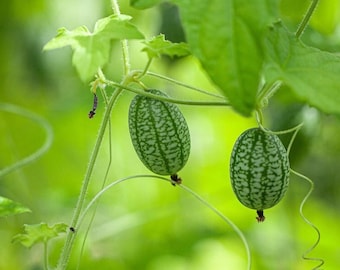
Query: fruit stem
point(167, 99)
point(306, 18)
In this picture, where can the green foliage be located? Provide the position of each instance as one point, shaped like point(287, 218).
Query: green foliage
point(158, 46)
point(92, 50)
point(313, 75)
point(9, 207)
point(238, 47)
point(39, 233)
point(225, 36)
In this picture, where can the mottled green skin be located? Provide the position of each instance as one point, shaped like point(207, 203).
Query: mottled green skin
point(159, 134)
point(259, 169)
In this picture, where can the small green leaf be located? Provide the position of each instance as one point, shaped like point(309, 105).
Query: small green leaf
point(39, 233)
point(159, 46)
point(312, 74)
point(9, 207)
point(142, 4)
point(65, 37)
point(92, 50)
point(225, 36)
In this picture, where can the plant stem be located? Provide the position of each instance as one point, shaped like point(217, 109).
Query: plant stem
point(167, 99)
point(63, 260)
point(183, 84)
point(306, 18)
point(66, 252)
point(124, 43)
point(45, 256)
point(146, 68)
point(104, 181)
point(194, 194)
point(115, 7)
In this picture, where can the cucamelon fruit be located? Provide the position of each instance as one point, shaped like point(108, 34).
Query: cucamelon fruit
point(159, 134)
point(259, 170)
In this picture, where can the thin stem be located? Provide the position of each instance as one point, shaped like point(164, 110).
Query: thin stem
point(194, 194)
point(280, 132)
point(45, 255)
point(71, 236)
point(304, 256)
point(227, 220)
point(103, 184)
point(183, 84)
point(115, 7)
point(126, 56)
point(267, 93)
point(146, 68)
point(296, 130)
point(63, 260)
point(167, 99)
point(38, 153)
point(306, 18)
point(124, 43)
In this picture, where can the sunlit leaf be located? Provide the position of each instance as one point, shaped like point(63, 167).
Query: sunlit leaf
point(9, 207)
point(39, 233)
point(65, 37)
point(159, 46)
point(225, 35)
point(142, 4)
point(92, 50)
point(313, 75)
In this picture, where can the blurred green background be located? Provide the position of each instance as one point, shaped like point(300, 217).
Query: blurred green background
point(149, 224)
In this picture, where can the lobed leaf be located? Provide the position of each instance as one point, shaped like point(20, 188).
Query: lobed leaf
point(92, 50)
point(9, 207)
point(158, 46)
point(225, 35)
point(312, 74)
point(39, 233)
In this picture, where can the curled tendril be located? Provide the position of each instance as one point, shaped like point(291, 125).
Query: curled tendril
point(39, 152)
point(302, 204)
point(304, 200)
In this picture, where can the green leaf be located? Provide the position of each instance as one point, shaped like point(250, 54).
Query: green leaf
point(39, 233)
point(159, 46)
point(313, 75)
point(225, 35)
point(9, 207)
point(65, 37)
point(142, 4)
point(92, 50)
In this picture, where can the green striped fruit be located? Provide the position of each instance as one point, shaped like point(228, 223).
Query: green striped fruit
point(159, 134)
point(259, 170)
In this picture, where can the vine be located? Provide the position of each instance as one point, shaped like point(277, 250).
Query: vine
point(185, 188)
point(38, 153)
point(295, 131)
point(132, 81)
